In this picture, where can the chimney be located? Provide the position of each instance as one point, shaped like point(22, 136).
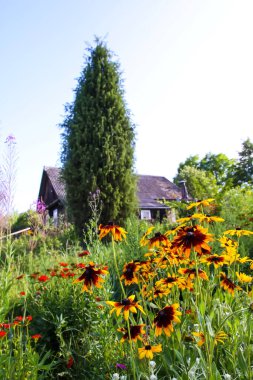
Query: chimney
point(184, 192)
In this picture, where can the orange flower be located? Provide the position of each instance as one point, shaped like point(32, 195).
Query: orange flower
point(117, 232)
point(36, 336)
point(129, 273)
point(193, 237)
point(128, 304)
point(135, 332)
point(91, 276)
point(164, 319)
point(227, 284)
point(158, 240)
point(216, 260)
point(191, 273)
point(148, 350)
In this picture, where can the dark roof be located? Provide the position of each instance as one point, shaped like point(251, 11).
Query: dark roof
point(54, 174)
point(156, 188)
point(150, 189)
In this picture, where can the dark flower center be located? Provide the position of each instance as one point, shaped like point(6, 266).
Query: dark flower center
point(126, 302)
point(157, 234)
point(148, 347)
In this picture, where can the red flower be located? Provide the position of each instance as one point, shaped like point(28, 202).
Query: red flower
point(2, 334)
point(63, 264)
point(43, 278)
point(70, 362)
point(80, 265)
point(22, 293)
point(84, 253)
point(36, 336)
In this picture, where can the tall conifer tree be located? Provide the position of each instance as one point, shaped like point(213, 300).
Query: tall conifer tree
point(98, 142)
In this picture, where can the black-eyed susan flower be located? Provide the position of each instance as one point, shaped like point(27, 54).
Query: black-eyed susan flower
point(220, 337)
point(164, 319)
point(91, 276)
point(147, 351)
point(191, 273)
point(170, 281)
point(144, 241)
point(242, 277)
point(203, 203)
point(127, 305)
point(192, 237)
point(216, 260)
point(158, 240)
point(117, 232)
point(133, 334)
point(160, 292)
point(207, 218)
point(129, 273)
point(238, 232)
point(228, 284)
point(200, 337)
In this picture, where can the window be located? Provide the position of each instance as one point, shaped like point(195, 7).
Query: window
point(55, 216)
point(146, 214)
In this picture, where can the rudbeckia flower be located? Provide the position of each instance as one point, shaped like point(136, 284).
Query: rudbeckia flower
point(91, 276)
point(200, 337)
point(135, 332)
point(192, 237)
point(158, 240)
point(242, 277)
point(129, 273)
point(148, 350)
point(238, 232)
point(216, 260)
point(128, 304)
point(191, 273)
point(207, 218)
point(164, 319)
point(227, 284)
point(204, 203)
point(144, 241)
point(117, 232)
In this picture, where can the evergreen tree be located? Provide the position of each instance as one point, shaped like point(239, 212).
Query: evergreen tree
point(244, 166)
point(98, 143)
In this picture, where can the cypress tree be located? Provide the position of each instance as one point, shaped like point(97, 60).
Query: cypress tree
point(98, 143)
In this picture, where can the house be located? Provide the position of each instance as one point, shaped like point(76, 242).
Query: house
point(151, 192)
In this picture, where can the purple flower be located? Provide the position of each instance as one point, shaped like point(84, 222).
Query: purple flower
point(10, 140)
point(40, 207)
point(121, 366)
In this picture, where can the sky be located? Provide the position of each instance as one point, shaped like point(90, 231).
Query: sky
point(187, 67)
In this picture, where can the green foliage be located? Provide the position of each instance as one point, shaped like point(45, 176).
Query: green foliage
point(98, 143)
point(200, 184)
point(217, 165)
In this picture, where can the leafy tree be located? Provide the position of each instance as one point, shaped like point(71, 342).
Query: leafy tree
point(217, 165)
point(244, 167)
point(98, 143)
point(199, 183)
point(221, 167)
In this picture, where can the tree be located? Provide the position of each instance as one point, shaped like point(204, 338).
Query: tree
point(98, 143)
point(217, 165)
point(199, 183)
point(244, 167)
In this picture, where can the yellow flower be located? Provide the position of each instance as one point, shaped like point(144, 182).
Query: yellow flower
point(238, 232)
point(148, 350)
point(200, 337)
point(207, 218)
point(216, 260)
point(227, 284)
point(220, 337)
point(117, 232)
point(144, 241)
point(243, 277)
point(128, 304)
point(164, 319)
point(204, 203)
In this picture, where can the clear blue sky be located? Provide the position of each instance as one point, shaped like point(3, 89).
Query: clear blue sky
point(187, 66)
